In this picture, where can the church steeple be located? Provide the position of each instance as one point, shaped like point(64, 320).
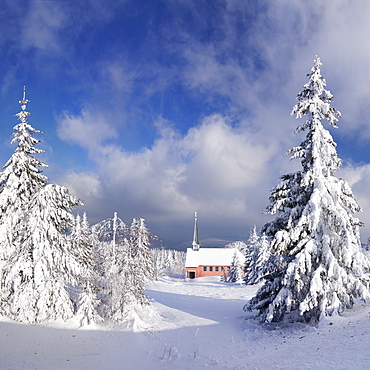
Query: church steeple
point(196, 244)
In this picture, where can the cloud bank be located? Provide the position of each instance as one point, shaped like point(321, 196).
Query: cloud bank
point(225, 164)
point(214, 169)
point(184, 106)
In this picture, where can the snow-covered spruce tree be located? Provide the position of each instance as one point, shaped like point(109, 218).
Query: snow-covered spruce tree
point(367, 247)
point(109, 238)
point(318, 267)
point(19, 181)
point(140, 254)
point(236, 275)
point(240, 245)
point(223, 277)
point(130, 265)
point(82, 246)
point(177, 265)
point(111, 228)
point(107, 235)
point(87, 305)
point(86, 299)
point(35, 277)
point(121, 298)
point(35, 216)
point(160, 262)
point(259, 260)
point(167, 262)
point(250, 251)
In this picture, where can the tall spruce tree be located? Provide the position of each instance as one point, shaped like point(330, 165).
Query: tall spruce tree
point(19, 182)
point(318, 267)
point(40, 262)
point(44, 263)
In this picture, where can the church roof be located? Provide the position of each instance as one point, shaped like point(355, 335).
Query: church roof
point(211, 257)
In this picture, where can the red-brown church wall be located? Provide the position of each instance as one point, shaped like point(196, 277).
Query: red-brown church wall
point(199, 271)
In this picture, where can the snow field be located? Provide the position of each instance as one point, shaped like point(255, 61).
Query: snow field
point(192, 325)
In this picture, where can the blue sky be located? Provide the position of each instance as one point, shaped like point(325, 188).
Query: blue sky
point(158, 109)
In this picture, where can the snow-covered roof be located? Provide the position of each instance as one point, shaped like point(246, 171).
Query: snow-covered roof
point(211, 257)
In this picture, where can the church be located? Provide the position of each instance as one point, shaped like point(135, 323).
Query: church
point(202, 262)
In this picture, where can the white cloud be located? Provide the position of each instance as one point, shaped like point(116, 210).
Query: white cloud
point(222, 170)
point(222, 158)
point(88, 129)
point(41, 26)
point(333, 30)
point(358, 177)
point(214, 169)
point(269, 61)
point(118, 76)
point(87, 184)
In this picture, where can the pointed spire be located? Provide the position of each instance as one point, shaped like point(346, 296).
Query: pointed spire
point(24, 101)
point(23, 114)
point(196, 244)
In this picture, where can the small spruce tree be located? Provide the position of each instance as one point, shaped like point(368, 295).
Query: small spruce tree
point(260, 258)
point(87, 305)
point(223, 277)
point(140, 254)
point(250, 252)
point(86, 299)
point(121, 282)
point(236, 275)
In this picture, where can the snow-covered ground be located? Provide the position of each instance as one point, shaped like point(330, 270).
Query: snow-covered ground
point(195, 324)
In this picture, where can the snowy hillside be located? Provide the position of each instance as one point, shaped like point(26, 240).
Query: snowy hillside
point(195, 324)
